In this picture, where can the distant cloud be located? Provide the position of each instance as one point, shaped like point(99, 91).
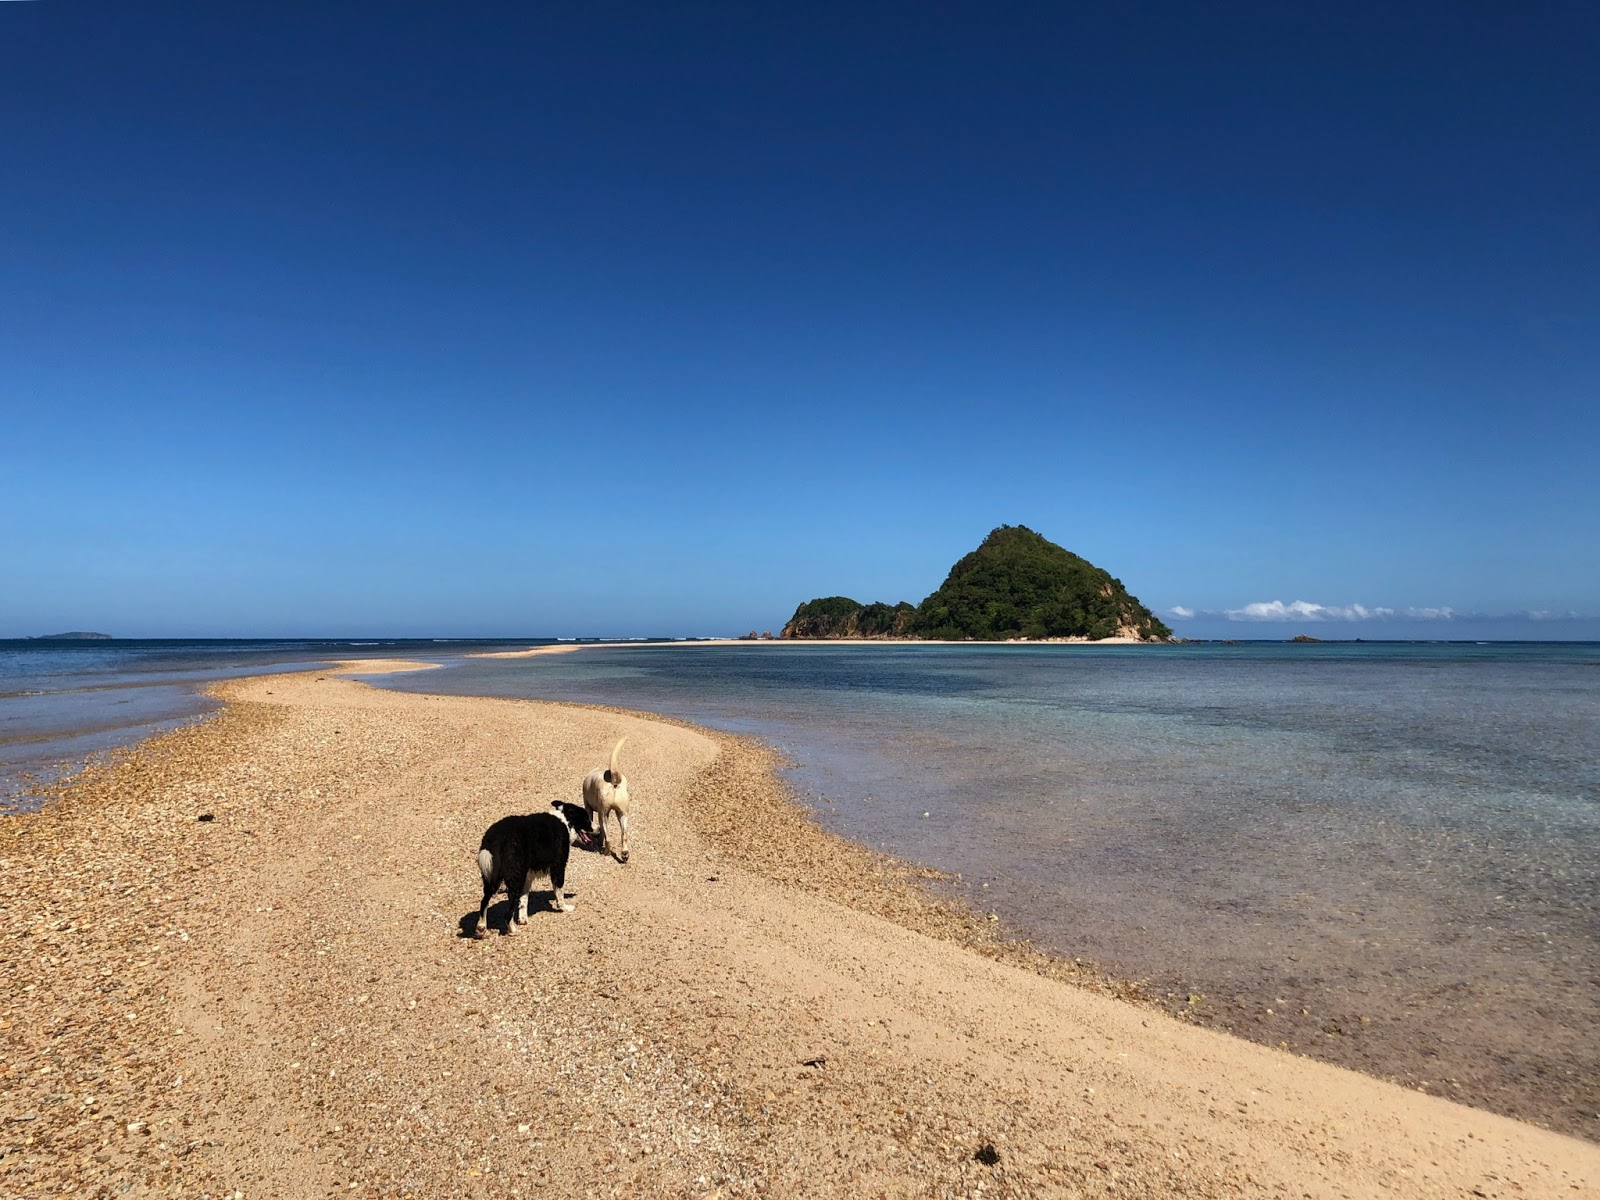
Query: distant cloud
point(1266, 611)
point(1304, 610)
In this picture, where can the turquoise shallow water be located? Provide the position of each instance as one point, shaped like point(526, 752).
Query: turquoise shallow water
point(62, 702)
point(1384, 855)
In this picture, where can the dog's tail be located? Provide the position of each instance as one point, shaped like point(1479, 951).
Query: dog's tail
point(486, 864)
point(614, 776)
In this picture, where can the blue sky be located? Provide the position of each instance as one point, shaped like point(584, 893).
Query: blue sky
point(533, 320)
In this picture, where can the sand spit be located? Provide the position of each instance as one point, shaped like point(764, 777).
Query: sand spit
point(536, 651)
point(380, 666)
point(233, 964)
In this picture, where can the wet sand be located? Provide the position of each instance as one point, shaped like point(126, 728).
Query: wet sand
point(279, 1001)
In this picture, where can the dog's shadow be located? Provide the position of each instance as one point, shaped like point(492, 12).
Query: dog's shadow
point(589, 846)
point(501, 913)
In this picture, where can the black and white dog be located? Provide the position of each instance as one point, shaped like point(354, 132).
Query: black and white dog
point(516, 849)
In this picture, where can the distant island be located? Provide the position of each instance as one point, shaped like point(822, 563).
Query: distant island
point(76, 636)
point(1016, 585)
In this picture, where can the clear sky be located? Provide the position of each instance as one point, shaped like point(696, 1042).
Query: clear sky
point(589, 319)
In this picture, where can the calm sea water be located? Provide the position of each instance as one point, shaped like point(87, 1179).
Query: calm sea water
point(63, 702)
point(1385, 855)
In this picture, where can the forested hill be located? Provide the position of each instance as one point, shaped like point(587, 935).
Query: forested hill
point(842, 617)
point(1016, 584)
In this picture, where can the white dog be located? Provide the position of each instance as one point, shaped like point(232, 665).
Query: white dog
point(606, 792)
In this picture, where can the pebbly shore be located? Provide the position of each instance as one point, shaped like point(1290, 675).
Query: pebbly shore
point(234, 966)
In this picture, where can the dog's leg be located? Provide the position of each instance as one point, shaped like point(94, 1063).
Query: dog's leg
point(622, 827)
point(491, 884)
point(489, 889)
point(522, 900)
point(558, 882)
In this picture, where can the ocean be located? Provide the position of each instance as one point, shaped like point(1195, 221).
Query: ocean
point(62, 702)
point(1383, 855)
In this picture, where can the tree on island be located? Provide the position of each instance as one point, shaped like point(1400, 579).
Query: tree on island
point(1016, 584)
point(842, 617)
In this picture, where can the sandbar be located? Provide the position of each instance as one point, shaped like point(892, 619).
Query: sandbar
point(234, 963)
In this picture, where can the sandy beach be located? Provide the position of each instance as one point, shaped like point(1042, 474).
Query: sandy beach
point(234, 966)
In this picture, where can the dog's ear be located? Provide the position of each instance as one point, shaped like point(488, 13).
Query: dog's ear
point(607, 777)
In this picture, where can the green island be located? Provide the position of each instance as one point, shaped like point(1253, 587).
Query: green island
point(1015, 585)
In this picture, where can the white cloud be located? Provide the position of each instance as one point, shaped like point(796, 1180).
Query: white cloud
point(1306, 610)
point(1267, 611)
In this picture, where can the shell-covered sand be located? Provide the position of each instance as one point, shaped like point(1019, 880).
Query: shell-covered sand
point(279, 1001)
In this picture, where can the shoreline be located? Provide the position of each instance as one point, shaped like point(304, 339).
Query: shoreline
point(295, 965)
point(1521, 1050)
point(568, 647)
